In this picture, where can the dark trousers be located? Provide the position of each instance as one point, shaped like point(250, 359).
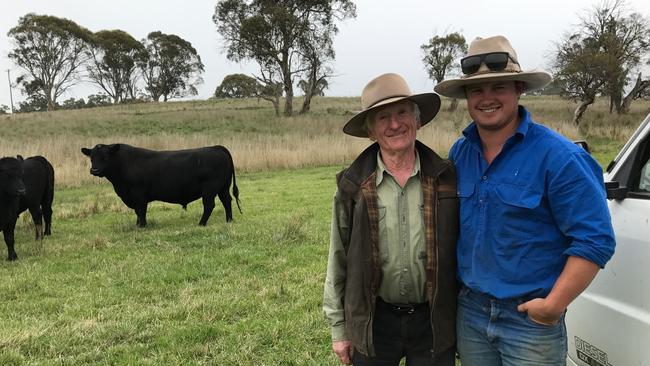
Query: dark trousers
point(402, 332)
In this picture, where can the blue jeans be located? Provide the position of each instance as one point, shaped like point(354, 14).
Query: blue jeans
point(491, 332)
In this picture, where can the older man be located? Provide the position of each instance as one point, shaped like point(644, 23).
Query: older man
point(391, 290)
point(534, 221)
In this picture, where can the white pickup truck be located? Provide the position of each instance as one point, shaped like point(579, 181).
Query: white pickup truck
point(609, 323)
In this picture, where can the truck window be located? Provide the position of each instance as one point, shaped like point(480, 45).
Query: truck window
point(644, 184)
point(639, 181)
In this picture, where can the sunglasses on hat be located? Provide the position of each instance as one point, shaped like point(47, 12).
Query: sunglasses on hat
point(495, 61)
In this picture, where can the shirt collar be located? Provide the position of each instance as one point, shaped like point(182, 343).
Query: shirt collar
point(471, 132)
point(381, 167)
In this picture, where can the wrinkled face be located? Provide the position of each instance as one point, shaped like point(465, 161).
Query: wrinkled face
point(11, 173)
point(394, 127)
point(101, 157)
point(493, 105)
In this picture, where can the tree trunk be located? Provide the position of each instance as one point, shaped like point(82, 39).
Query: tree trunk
point(577, 115)
point(276, 106)
point(48, 97)
point(453, 106)
point(276, 103)
point(288, 84)
point(311, 88)
point(618, 103)
point(306, 104)
point(639, 87)
point(288, 98)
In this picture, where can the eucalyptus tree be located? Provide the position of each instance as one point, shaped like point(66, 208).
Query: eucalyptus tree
point(316, 52)
point(238, 86)
point(580, 70)
point(172, 67)
point(273, 33)
point(113, 56)
point(271, 89)
point(441, 56)
point(50, 51)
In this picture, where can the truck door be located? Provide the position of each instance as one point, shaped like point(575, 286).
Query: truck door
point(609, 323)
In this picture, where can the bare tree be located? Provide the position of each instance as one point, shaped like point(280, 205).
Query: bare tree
point(641, 89)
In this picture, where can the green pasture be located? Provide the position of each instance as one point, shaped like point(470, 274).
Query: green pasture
point(103, 292)
point(100, 291)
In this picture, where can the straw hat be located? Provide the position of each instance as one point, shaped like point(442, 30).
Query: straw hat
point(533, 79)
point(386, 89)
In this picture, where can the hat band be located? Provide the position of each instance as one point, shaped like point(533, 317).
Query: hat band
point(504, 71)
point(386, 98)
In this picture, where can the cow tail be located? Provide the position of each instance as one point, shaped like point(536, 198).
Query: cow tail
point(235, 190)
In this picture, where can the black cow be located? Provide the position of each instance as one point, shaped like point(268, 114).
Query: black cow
point(25, 184)
point(140, 176)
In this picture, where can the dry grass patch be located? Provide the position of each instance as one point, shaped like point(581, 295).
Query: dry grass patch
point(257, 139)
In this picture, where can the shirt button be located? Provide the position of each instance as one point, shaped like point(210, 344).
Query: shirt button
point(484, 178)
point(406, 270)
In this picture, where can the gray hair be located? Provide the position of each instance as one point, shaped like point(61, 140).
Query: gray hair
point(370, 117)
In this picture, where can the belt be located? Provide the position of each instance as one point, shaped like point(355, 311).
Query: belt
point(402, 308)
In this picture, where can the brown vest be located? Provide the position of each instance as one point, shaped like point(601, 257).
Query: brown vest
point(357, 193)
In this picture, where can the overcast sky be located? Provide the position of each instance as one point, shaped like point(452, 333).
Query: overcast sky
point(385, 37)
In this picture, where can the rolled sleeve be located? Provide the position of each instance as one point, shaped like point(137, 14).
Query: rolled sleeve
point(336, 271)
point(579, 205)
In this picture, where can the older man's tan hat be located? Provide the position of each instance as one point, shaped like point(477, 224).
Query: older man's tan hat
point(533, 79)
point(386, 89)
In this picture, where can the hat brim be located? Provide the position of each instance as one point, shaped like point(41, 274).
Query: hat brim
point(428, 103)
point(455, 88)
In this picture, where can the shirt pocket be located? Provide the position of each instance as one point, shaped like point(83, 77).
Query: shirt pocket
point(518, 197)
point(467, 204)
point(383, 233)
point(519, 207)
point(466, 190)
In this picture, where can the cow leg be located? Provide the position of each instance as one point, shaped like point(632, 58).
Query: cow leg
point(8, 232)
point(37, 217)
point(208, 206)
point(141, 212)
point(47, 217)
point(226, 201)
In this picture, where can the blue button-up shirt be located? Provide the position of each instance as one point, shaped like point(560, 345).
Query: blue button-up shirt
point(541, 200)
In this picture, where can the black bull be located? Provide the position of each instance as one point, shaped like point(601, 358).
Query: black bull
point(25, 184)
point(140, 176)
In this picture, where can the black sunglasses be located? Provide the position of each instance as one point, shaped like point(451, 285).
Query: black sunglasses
point(495, 61)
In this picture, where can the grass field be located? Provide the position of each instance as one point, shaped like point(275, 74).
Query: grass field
point(102, 292)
